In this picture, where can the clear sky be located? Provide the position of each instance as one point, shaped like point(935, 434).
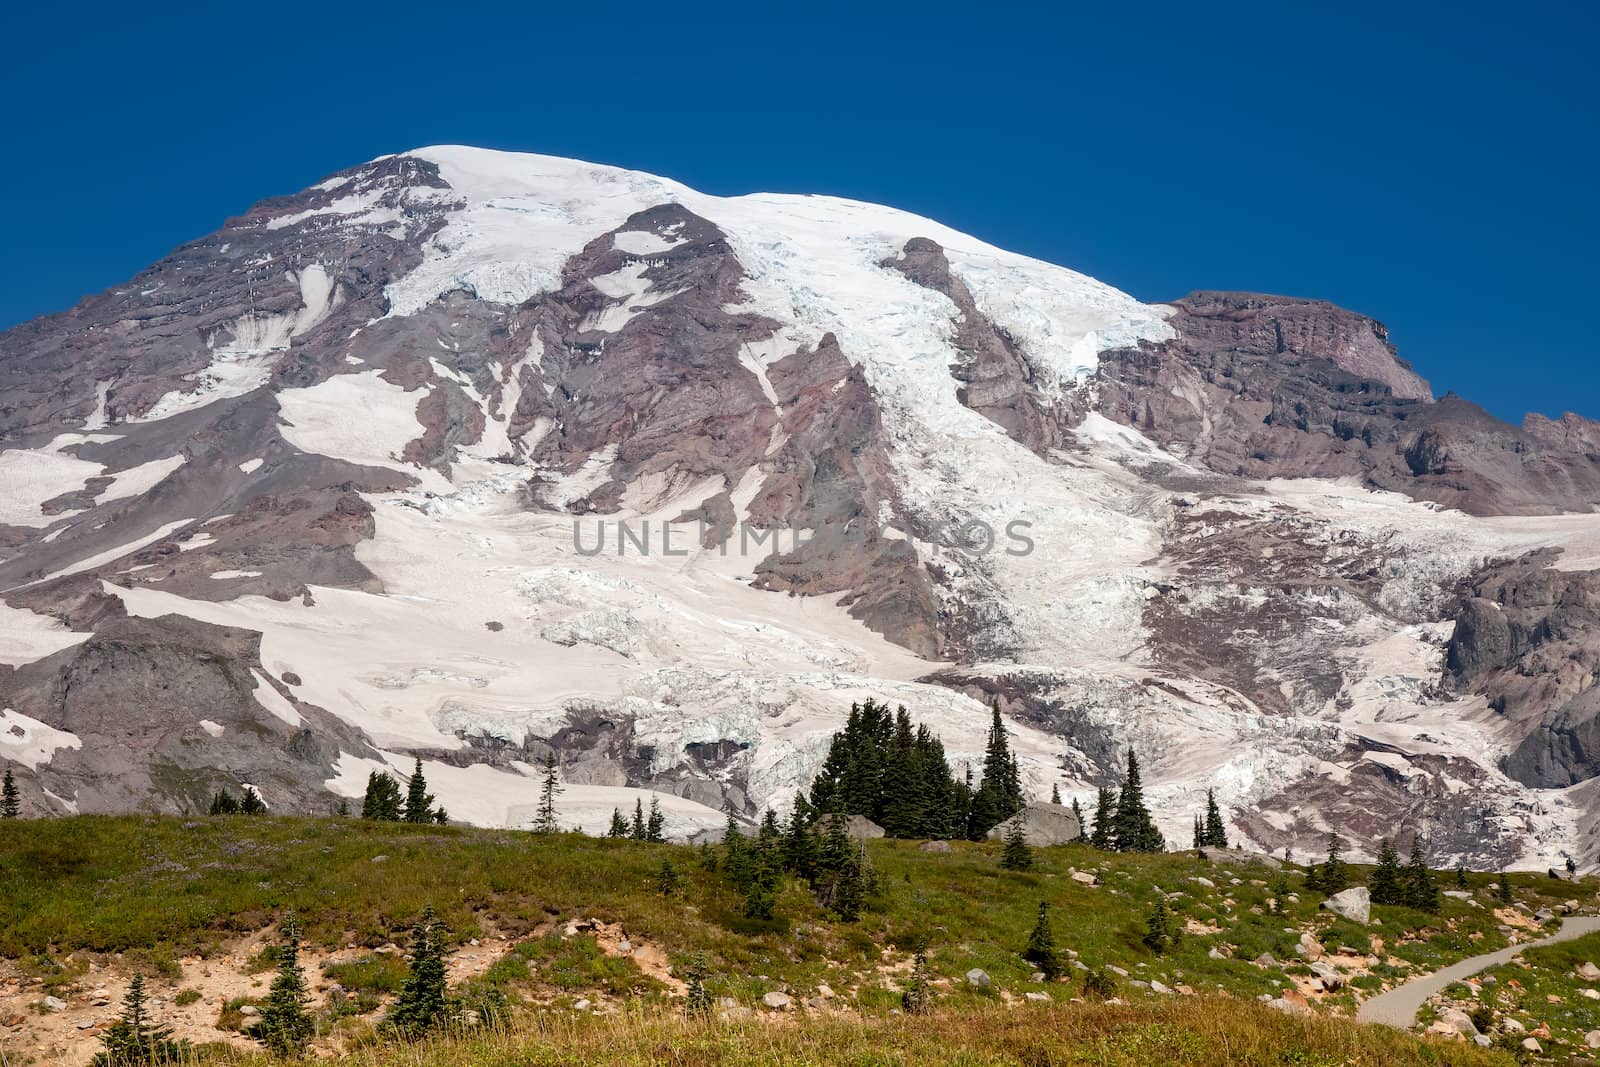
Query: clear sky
point(1433, 166)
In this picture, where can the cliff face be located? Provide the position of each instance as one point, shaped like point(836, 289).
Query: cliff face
point(468, 456)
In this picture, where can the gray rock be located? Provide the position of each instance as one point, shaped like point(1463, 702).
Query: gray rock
point(1037, 996)
point(1592, 1039)
point(1588, 971)
point(1043, 825)
point(776, 1001)
point(979, 978)
point(54, 1004)
point(1354, 904)
point(1157, 986)
point(859, 827)
point(934, 846)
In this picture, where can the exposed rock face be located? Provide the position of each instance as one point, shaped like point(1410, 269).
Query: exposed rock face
point(1043, 825)
point(476, 458)
point(1354, 904)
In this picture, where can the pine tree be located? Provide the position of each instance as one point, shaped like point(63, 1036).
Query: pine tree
point(667, 878)
point(1016, 856)
point(619, 825)
point(800, 843)
point(284, 1026)
point(1105, 817)
point(1418, 887)
point(133, 1040)
point(1157, 927)
point(918, 996)
point(637, 829)
point(441, 817)
point(1055, 793)
point(1503, 888)
point(841, 884)
point(1215, 833)
point(1083, 825)
point(251, 803)
point(697, 1001)
point(1133, 829)
point(1384, 884)
point(419, 803)
point(654, 826)
point(999, 794)
point(382, 799)
point(735, 852)
point(1333, 877)
point(10, 802)
point(544, 822)
point(1041, 950)
point(420, 1006)
point(223, 803)
point(1199, 834)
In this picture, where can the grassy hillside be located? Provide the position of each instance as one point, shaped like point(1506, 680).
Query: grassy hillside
point(84, 897)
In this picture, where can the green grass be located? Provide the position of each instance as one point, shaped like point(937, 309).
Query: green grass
point(1545, 973)
point(382, 972)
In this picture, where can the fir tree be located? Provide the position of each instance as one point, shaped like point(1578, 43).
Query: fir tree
point(1041, 950)
point(1099, 985)
point(735, 852)
point(421, 1005)
point(1016, 856)
point(619, 825)
point(1133, 829)
point(133, 1040)
point(1385, 881)
point(223, 803)
point(667, 878)
point(251, 803)
point(1055, 793)
point(544, 821)
point(1417, 886)
point(1461, 876)
point(1083, 825)
point(637, 829)
point(999, 794)
point(1503, 888)
point(841, 879)
point(918, 996)
point(382, 799)
point(1332, 877)
point(1199, 834)
point(1157, 927)
point(10, 801)
point(419, 803)
point(284, 1026)
point(697, 1001)
point(1215, 833)
point(800, 843)
point(1105, 817)
point(441, 817)
point(654, 826)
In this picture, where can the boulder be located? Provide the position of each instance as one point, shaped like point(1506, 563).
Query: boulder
point(1044, 824)
point(1457, 1022)
point(775, 1001)
point(1085, 878)
point(1592, 1039)
point(1354, 904)
point(1031, 995)
point(1532, 1045)
point(1332, 977)
point(1157, 986)
point(1458, 894)
point(54, 1004)
point(1588, 971)
point(934, 846)
point(859, 827)
point(979, 978)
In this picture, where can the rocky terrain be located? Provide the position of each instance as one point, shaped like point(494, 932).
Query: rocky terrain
point(469, 456)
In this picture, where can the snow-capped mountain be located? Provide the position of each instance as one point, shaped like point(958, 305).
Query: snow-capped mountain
point(469, 455)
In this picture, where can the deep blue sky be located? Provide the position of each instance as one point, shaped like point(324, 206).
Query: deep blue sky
point(1434, 169)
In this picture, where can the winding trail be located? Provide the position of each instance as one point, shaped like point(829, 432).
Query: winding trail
point(1398, 1007)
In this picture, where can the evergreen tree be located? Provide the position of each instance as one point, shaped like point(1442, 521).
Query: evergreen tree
point(1055, 793)
point(697, 1003)
point(1503, 888)
point(735, 852)
point(1461, 876)
point(1418, 887)
point(800, 843)
point(667, 878)
point(638, 829)
point(421, 1005)
point(999, 794)
point(654, 827)
point(1215, 833)
point(619, 825)
point(251, 803)
point(284, 1026)
point(223, 803)
point(1099, 985)
point(918, 996)
point(1385, 881)
point(1105, 817)
point(544, 821)
point(382, 799)
point(1133, 829)
point(133, 1040)
point(1199, 834)
point(1158, 927)
point(1333, 876)
point(10, 801)
point(841, 879)
point(419, 803)
point(1016, 856)
point(1083, 825)
point(1041, 950)
point(441, 817)
point(342, 808)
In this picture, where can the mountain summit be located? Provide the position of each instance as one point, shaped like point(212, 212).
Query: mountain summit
point(470, 456)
